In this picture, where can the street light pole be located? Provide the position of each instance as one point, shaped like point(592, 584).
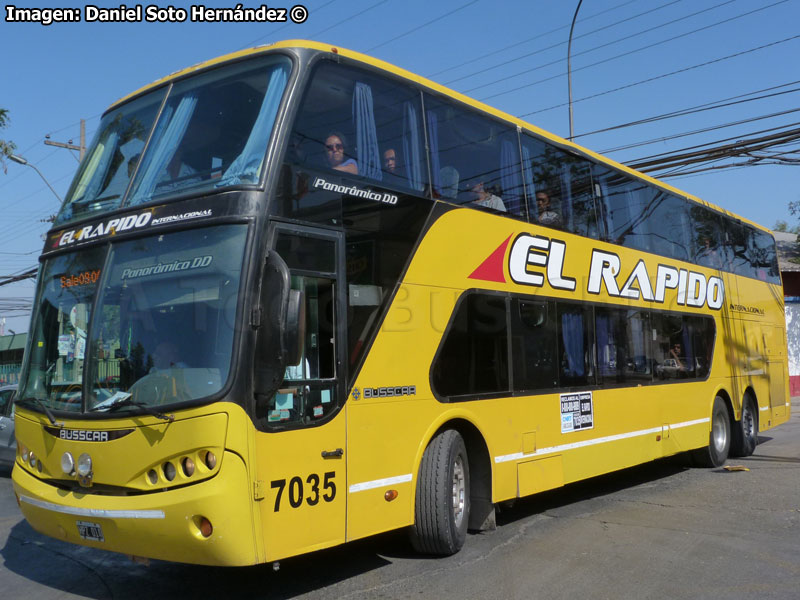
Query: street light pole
point(569, 68)
point(22, 161)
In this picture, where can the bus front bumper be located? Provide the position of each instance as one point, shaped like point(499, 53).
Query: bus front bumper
point(163, 525)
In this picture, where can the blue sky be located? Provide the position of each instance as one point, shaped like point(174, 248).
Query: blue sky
point(661, 56)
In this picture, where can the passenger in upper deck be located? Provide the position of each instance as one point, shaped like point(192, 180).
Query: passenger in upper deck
point(547, 216)
point(336, 154)
point(486, 199)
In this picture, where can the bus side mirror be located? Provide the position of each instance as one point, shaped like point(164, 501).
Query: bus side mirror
point(294, 334)
point(280, 322)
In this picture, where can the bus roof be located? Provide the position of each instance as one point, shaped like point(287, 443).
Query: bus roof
point(383, 65)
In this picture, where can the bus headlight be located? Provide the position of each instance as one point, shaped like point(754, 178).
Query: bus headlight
point(84, 465)
point(67, 464)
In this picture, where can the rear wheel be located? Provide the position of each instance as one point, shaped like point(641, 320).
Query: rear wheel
point(745, 432)
point(719, 440)
point(441, 513)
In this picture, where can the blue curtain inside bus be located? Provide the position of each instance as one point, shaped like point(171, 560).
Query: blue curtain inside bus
point(510, 178)
point(572, 335)
point(411, 145)
point(368, 156)
point(165, 148)
point(246, 167)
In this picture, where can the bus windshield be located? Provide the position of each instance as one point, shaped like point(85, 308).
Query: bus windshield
point(205, 132)
point(161, 331)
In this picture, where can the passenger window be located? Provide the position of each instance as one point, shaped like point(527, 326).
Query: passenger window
point(560, 188)
point(683, 346)
point(350, 120)
point(474, 160)
point(737, 248)
point(473, 357)
point(575, 345)
point(533, 342)
point(623, 349)
point(764, 257)
point(707, 237)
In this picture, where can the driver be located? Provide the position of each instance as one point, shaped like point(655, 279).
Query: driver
point(166, 356)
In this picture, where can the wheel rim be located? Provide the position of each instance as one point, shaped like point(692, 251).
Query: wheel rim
point(459, 491)
point(719, 432)
point(748, 423)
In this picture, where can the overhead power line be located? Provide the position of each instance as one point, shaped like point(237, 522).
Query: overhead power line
point(607, 60)
point(577, 37)
point(665, 75)
point(725, 102)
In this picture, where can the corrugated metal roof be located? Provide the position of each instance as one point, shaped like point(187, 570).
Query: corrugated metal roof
point(788, 251)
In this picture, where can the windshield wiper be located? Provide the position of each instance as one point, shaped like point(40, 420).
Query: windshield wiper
point(46, 410)
point(144, 407)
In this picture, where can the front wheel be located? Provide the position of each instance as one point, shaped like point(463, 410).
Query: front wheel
point(719, 440)
point(441, 513)
point(745, 432)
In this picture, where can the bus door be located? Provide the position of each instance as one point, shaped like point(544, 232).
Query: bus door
point(301, 457)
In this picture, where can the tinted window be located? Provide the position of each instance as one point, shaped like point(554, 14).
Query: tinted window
point(473, 359)
point(623, 348)
point(533, 339)
point(707, 238)
point(683, 346)
point(474, 160)
point(764, 257)
point(575, 345)
point(560, 188)
point(352, 122)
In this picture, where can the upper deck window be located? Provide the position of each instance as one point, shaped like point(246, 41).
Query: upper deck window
point(212, 132)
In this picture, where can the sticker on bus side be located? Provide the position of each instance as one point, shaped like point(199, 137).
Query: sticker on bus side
point(577, 412)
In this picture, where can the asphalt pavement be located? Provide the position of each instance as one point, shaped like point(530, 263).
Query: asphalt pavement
point(660, 530)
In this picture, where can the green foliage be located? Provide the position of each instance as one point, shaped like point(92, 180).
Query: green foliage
point(6, 148)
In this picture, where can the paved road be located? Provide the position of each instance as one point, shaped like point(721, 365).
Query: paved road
point(661, 530)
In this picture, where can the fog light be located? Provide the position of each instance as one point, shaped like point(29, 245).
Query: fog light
point(188, 466)
point(84, 465)
point(152, 476)
point(67, 463)
point(169, 471)
point(205, 527)
point(211, 460)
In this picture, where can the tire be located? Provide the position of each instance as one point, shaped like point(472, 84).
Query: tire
point(719, 440)
point(745, 432)
point(441, 513)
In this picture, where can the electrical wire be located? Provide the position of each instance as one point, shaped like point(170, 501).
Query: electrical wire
point(640, 49)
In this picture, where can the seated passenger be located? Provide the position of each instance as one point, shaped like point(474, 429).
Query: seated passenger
point(485, 199)
point(547, 216)
point(335, 153)
point(392, 173)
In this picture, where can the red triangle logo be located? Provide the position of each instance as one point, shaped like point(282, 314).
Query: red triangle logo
point(491, 269)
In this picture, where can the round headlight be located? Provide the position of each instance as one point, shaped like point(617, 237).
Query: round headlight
point(169, 471)
point(32, 458)
point(67, 463)
point(188, 466)
point(211, 460)
point(84, 465)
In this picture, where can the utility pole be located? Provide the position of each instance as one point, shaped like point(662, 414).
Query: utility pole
point(69, 145)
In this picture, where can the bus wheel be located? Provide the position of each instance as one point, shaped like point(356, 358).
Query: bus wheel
point(441, 513)
point(745, 432)
point(719, 440)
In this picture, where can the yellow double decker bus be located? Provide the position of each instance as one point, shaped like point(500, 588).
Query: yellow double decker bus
point(297, 296)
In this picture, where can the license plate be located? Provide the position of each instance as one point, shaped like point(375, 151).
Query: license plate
point(90, 531)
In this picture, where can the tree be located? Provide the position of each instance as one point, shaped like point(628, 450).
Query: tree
point(6, 148)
